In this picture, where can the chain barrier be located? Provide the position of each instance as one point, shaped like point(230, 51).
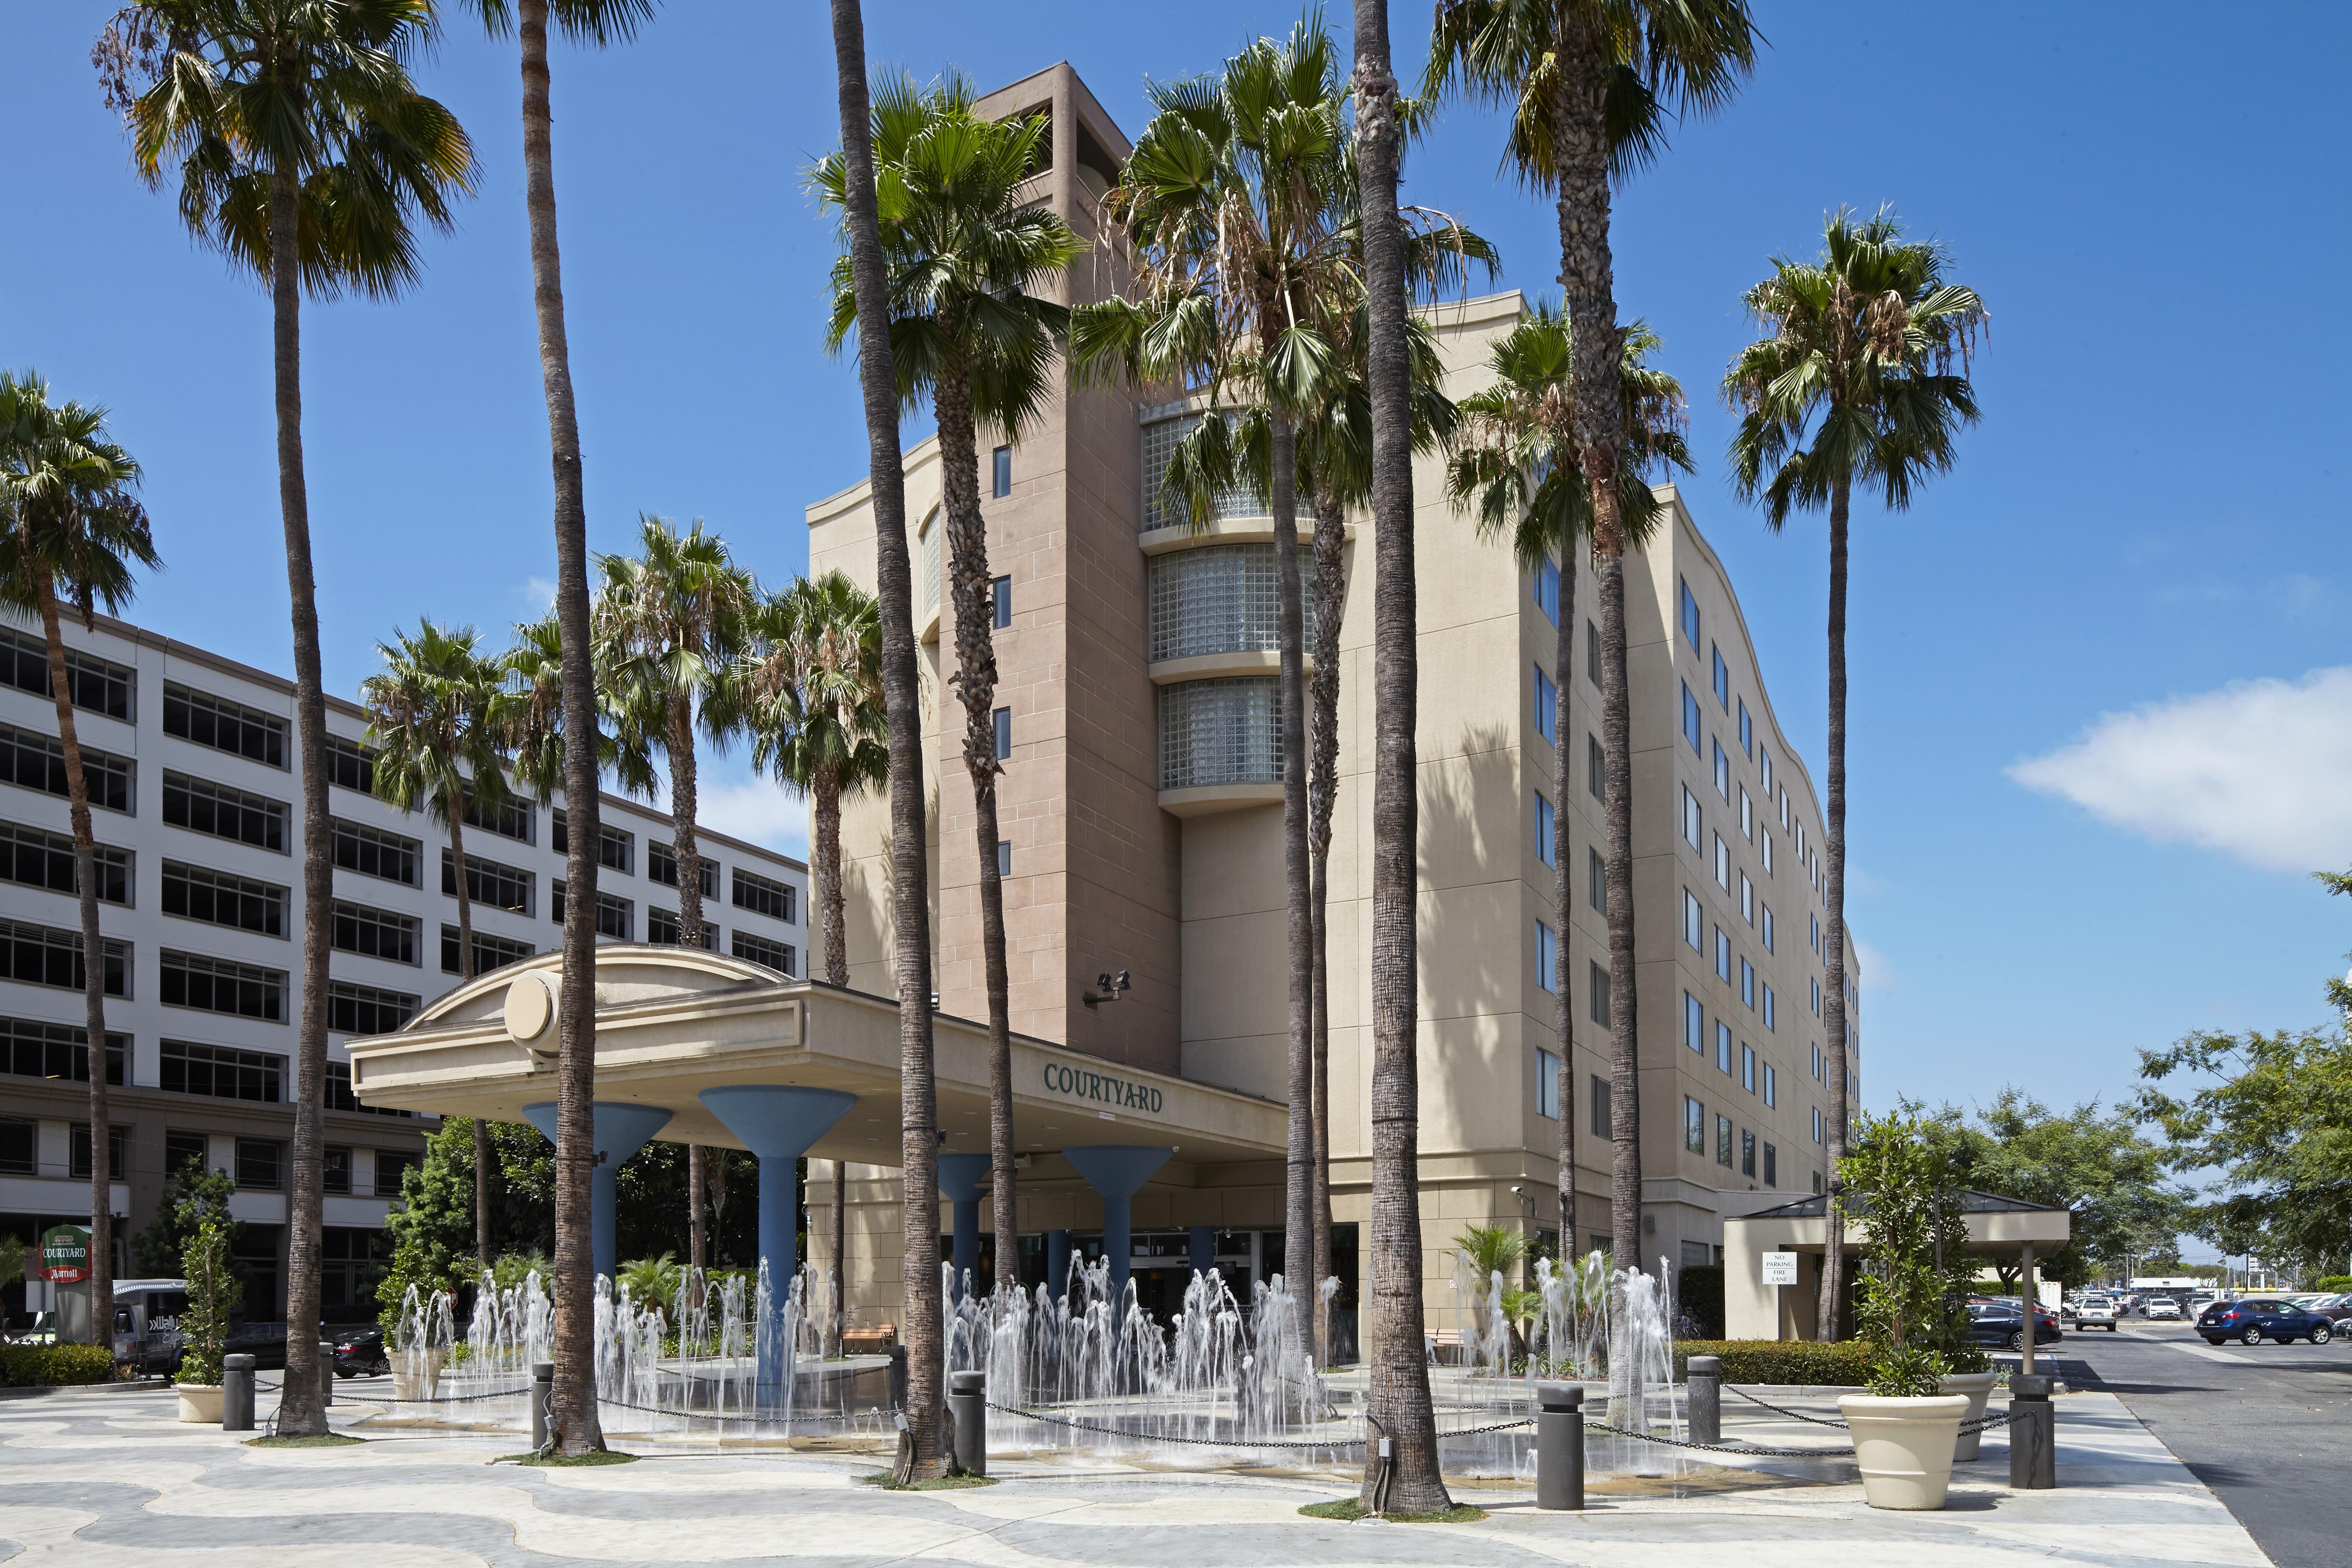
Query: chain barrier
point(1235, 1442)
point(1778, 1410)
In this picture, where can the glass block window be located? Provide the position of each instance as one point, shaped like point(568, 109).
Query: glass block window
point(1220, 732)
point(31, 760)
point(1222, 598)
point(1160, 438)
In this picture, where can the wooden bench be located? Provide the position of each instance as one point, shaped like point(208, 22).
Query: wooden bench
point(870, 1341)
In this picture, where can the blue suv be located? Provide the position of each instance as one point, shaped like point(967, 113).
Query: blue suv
point(2251, 1322)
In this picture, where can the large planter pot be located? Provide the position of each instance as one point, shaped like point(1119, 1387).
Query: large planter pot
point(1978, 1387)
point(416, 1374)
point(1905, 1447)
point(200, 1403)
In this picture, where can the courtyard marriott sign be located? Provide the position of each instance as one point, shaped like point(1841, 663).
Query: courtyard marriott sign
point(1101, 1088)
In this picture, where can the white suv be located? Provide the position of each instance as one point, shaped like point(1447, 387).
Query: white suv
point(2095, 1312)
point(2162, 1308)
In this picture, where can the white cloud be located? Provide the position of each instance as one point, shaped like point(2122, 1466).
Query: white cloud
point(539, 593)
point(1877, 975)
point(756, 810)
point(2257, 769)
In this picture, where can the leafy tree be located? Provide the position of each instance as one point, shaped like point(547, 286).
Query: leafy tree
point(71, 530)
point(213, 1287)
point(1901, 1185)
point(1862, 381)
point(305, 155)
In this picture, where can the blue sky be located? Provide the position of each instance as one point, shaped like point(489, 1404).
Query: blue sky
point(2123, 587)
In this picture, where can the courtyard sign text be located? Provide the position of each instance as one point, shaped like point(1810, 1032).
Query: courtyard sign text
point(1101, 1088)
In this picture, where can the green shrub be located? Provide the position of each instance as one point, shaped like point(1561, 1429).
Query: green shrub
point(213, 1292)
point(2333, 1282)
point(1841, 1363)
point(55, 1366)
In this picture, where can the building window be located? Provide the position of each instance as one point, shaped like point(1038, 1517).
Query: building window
point(1747, 1154)
point(776, 955)
point(1002, 593)
point(1597, 987)
point(217, 897)
point(1723, 1047)
point(1722, 1142)
point(351, 765)
point(29, 1048)
point(30, 759)
point(335, 1170)
point(507, 818)
point(1770, 1022)
point(1722, 770)
point(339, 1096)
point(224, 725)
point(1765, 844)
point(223, 1072)
point(1746, 815)
point(1595, 779)
point(1817, 1064)
point(1771, 1084)
point(1747, 1067)
point(1748, 983)
point(1694, 1126)
point(202, 806)
point(1003, 858)
point(1722, 956)
point(1767, 927)
point(1225, 598)
point(1722, 864)
point(117, 1152)
point(1690, 818)
point(615, 916)
point(91, 682)
point(20, 1146)
point(662, 930)
point(491, 885)
point(1596, 873)
point(1547, 957)
point(1693, 923)
point(353, 1009)
point(1784, 808)
point(222, 985)
point(489, 951)
point(1003, 717)
point(1694, 1024)
point(1764, 773)
point(1687, 609)
point(45, 955)
point(1220, 731)
point(1547, 576)
point(375, 934)
point(1690, 719)
point(661, 865)
point(1816, 997)
point(32, 857)
point(1597, 1095)
point(391, 1167)
point(1772, 1166)
point(1593, 652)
point(1722, 680)
point(1747, 899)
point(615, 848)
point(762, 895)
point(1546, 1085)
point(1747, 731)
point(1546, 707)
point(257, 1163)
point(373, 853)
point(1001, 469)
point(1544, 846)
point(1817, 1180)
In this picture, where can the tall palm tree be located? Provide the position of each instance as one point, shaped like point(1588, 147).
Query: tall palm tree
point(967, 330)
point(534, 732)
point(668, 624)
point(810, 689)
point(1855, 384)
point(1588, 84)
point(571, 1400)
point(861, 232)
point(437, 716)
point(307, 156)
point(1519, 466)
point(71, 530)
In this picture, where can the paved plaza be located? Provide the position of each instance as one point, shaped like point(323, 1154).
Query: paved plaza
point(111, 1479)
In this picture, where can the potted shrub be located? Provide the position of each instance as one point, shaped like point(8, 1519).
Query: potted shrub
point(212, 1291)
point(1900, 1196)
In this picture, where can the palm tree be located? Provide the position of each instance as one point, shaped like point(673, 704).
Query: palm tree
point(810, 688)
point(919, 1453)
point(668, 625)
point(534, 731)
point(966, 251)
point(71, 530)
point(437, 716)
point(571, 1401)
point(1518, 465)
point(1855, 385)
point(1397, 1399)
point(307, 156)
point(1588, 84)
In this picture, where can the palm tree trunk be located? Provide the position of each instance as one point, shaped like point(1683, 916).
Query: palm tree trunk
point(840, 1251)
point(834, 927)
point(1563, 891)
point(482, 1158)
point(1331, 605)
point(682, 806)
point(902, 699)
point(572, 1402)
point(1833, 1019)
point(697, 1172)
point(301, 1411)
point(1298, 926)
point(970, 588)
point(1398, 1393)
point(93, 986)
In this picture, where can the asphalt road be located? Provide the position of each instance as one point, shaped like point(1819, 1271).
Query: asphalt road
point(2268, 1428)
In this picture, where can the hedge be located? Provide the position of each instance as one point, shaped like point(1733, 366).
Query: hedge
point(1840, 1363)
point(55, 1366)
point(2333, 1282)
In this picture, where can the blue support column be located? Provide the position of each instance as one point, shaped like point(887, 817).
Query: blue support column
point(1118, 1170)
point(960, 1179)
point(777, 1122)
point(1201, 1247)
point(621, 1130)
point(1057, 1264)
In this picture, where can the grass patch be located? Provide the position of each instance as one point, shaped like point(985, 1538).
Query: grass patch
point(565, 1461)
point(323, 1440)
point(890, 1483)
point(1347, 1509)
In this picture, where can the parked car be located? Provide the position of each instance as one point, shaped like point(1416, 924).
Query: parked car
point(2000, 1323)
point(2162, 1308)
point(147, 1323)
point(2335, 1307)
point(2252, 1320)
point(2095, 1312)
point(359, 1352)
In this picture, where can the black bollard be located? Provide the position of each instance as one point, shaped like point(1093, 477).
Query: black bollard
point(968, 1406)
point(326, 1373)
point(2032, 1435)
point(542, 1383)
point(237, 1393)
point(1703, 1383)
point(1560, 1446)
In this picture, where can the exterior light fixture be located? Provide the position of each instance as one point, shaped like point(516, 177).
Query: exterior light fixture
point(1110, 987)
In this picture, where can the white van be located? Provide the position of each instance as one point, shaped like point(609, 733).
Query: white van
point(147, 1323)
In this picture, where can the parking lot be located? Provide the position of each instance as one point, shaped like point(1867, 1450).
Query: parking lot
point(2268, 1428)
